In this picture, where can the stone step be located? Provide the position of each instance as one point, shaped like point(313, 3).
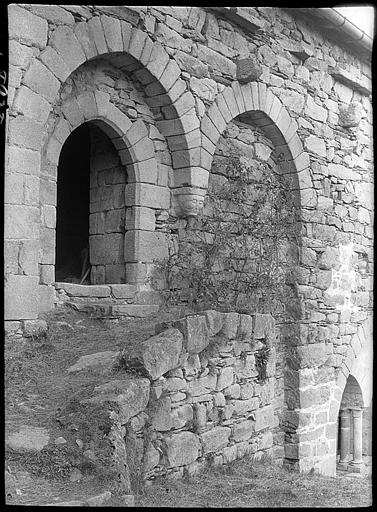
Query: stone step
point(111, 310)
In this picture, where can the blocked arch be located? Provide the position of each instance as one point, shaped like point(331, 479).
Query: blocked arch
point(267, 112)
point(130, 140)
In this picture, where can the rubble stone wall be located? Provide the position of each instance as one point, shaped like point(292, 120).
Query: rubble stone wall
point(309, 94)
point(203, 396)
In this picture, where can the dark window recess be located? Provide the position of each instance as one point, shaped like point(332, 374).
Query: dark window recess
point(72, 216)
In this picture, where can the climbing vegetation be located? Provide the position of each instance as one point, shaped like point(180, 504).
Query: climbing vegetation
point(237, 254)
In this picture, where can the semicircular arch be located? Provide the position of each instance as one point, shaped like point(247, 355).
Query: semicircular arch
point(132, 50)
point(263, 108)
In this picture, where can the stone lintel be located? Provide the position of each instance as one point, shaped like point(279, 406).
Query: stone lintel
point(342, 76)
point(242, 17)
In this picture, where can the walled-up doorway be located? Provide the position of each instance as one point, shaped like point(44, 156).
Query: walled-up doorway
point(90, 224)
point(72, 216)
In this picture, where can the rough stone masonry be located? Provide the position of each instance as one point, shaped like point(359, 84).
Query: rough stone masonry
point(162, 91)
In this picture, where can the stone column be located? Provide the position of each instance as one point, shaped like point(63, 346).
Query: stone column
point(357, 415)
point(345, 429)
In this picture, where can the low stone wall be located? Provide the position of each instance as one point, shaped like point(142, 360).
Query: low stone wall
point(201, 391)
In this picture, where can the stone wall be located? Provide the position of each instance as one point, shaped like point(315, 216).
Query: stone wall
point(107, 212)
point(308, 92)
point(203, 396)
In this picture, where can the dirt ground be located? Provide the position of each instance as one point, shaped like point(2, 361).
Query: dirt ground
point(40, 392)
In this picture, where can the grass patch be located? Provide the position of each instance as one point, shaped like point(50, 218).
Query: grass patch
point(40, 392)
point(250, 484)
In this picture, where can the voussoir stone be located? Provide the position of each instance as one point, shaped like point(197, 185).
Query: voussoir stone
point(130, 395)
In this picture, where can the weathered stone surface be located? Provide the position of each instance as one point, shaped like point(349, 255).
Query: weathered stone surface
point(312, 355)
point(191, 64)
point(24, 26)
point(99, 359)
point(21, 297)
point(264, 417)
point(159, 354)
point(232, 391)
point(245, 329)
point(242, 407)
point(35, 327)
point(315, 145)
point(202, 386)
point(243, 430)
point(151, 458)
point(265, 441)
point(314, 396)
point(204, 88)
point(123, 291)
point(182, 448)
point(314, 111)
point(263, 326)
point(144, 246)
point(217, 61)
point(99, 500)
point(195, 331)
point(28, 439)
point(225, 378)
point(215, 439)
point(214, 321)
point(161, 418)
point(248, 70)
point(246, 367)
point(130, 395)
point(350, 116)
point(81, 290)
point(230, 325)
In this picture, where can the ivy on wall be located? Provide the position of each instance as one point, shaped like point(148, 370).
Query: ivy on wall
point(236, 255)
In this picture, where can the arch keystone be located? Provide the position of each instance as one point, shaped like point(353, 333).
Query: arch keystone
point(81, 31)
point(97, 34)
point(113, 33)
point(126, 29)
point(247, 97)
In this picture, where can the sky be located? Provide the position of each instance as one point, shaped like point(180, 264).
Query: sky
point(362, 16)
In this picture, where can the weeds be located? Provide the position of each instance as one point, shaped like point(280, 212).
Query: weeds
point(236, 254)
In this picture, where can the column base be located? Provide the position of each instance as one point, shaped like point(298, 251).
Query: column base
point(356, 467)
point(343, 466)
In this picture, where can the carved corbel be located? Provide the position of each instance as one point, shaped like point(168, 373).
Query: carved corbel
point(188, 201)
